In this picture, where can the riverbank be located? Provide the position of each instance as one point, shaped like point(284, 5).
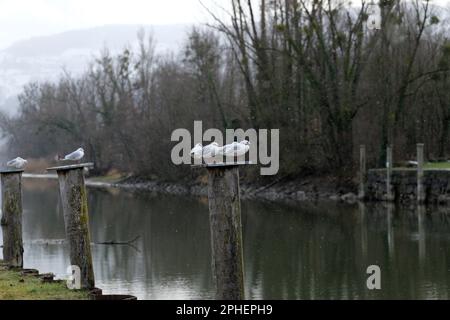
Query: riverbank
point(23, 285)
point(307, 188)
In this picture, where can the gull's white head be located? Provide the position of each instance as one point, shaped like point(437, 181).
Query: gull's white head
point(246, 142)
point(197, 149)
point(80, 150)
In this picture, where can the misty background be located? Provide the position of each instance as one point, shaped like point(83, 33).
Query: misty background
point(40, 38)
point(85, 78)
point(47, 57)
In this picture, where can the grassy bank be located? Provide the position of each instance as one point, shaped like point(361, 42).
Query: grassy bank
point(15, 286)
point(437, 165)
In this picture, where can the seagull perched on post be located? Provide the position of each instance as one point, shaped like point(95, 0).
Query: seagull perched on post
point(196, 152)
point(17, 163)
point(211, 150)
point(236, 149)
point(74, 156)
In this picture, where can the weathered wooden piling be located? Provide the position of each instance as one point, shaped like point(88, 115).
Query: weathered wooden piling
point(389, 164)
point(420, 187)
point(226, 230)
point(72, 190)
point(11, 221)
point(362, 172)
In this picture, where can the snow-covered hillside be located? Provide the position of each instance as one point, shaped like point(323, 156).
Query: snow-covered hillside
point(43, 58)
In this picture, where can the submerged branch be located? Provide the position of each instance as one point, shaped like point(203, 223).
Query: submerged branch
point(130, 242)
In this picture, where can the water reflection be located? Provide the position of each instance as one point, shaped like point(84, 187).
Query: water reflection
point(308, 251)
point(390, 229)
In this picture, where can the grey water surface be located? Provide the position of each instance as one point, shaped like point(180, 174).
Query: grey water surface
point(303, 251)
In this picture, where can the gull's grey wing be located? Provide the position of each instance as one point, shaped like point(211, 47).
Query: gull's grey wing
point(72, 156)
point(12, 163)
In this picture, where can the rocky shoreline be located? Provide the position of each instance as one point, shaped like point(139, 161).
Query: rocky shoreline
point(296, 190)
point(307, 190)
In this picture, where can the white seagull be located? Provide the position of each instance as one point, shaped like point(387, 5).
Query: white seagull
point(74, 156)
point(17, 163)
point(236, 149)
point(211, 150)
point(196, 152)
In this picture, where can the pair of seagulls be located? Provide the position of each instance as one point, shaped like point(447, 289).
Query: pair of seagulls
point(20, 163)
point(235, 149)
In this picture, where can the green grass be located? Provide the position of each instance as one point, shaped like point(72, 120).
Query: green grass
point(428, 165)
point(15, 286)
point(437, 165)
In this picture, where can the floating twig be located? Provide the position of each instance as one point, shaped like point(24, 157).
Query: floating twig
point(119, 243)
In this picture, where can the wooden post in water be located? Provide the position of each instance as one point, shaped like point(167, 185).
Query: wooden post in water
point(420, 187)
point(72, 190)
point(389, 164)
point(226, 230)
point(362, 172)
point(11, 221)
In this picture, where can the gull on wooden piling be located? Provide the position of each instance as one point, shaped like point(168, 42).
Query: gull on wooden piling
point(197, 151)
point(17, 163)
point(236, 149)
point(74, 156)
point(211, 150)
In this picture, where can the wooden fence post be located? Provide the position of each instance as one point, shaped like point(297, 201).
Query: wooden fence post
point(389, 165)
point(226, 231)
point(420, 187)
point(362, 172)
point(11, 221)
point(363, 230)
point(72, 190)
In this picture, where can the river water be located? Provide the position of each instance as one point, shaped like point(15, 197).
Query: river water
point(304, 251)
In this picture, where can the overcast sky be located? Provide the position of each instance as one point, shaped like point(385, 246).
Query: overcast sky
point(22, 19)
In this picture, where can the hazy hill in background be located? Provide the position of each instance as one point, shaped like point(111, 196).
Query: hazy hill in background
point(43, 58)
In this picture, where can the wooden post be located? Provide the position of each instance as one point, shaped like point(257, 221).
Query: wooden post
point(11, 220)
point(420, 187)
point(389, 164)
point(226, 231)
point(363, 230)
point(72, 190)
point(362, 172)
